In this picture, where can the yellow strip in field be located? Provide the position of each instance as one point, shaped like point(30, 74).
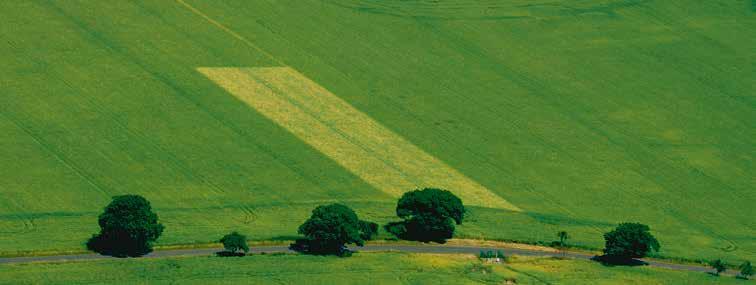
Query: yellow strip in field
point(351, 138)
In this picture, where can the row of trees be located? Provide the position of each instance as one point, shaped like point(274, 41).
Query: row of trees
point(427, 215)
point(746, 269)
point(129, 227)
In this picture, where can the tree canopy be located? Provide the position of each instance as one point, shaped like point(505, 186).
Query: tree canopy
point(128, 227)
point(330, 228)
point(718, 265)
point(430, 201)
point(563, 236)
point(429, 215)
point(746, 269)
point(235, 242)
point(630, 240)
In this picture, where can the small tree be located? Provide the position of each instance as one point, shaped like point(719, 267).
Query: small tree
point(429, 214)
point(630, 240)
point(329, 229)
point(491, 255)
point(746, 270)
point(128, 227)
point(718, 265)
point(562, 237)
point(235, 242)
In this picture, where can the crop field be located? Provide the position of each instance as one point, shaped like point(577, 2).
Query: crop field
point(366, 268)
point(245, 115)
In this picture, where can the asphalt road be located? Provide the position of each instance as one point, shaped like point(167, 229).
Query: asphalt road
point(441, 249)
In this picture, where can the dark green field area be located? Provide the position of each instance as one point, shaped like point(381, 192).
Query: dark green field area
point(582, 113)
point(366, 268)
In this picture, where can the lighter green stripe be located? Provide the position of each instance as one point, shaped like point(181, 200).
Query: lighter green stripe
point(351, 138)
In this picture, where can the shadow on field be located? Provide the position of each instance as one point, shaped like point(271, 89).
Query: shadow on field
point(121, 246)
point(566, 221)
point(313, 247)
point(608, 260)
point(407, 230)
point(285, 238)
point(229, 254)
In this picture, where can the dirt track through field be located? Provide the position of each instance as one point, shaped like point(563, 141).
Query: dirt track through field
point(351, 138)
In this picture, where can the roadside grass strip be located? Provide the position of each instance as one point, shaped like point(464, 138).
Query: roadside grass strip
point(351, 138)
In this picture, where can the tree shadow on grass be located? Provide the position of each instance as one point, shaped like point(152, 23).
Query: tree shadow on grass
point(609, 260)
point(118, 246)
point(229, 254)
point(406, 231)
point(310, 247)
point(285, 238)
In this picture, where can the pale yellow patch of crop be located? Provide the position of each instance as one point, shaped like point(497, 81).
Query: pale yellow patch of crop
point(439, 260)
point(351, 138)
point(498, 244)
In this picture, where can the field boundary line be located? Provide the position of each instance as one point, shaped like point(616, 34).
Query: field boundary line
point(229, 31)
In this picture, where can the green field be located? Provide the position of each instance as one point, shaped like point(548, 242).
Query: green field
point(366, 268)
point(582, 114)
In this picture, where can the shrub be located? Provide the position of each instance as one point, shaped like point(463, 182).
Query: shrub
point(398, 229)
point(746, 270)
point(718, 266)
point(368, 230)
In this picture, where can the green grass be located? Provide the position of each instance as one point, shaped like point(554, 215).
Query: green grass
point(582, 114)
point(365, 268)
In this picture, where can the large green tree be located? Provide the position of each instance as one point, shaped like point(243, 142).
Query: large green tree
point(235, 242)
point(630, 240)
point(330, 228)
point(128, 227)
point(429, 215)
